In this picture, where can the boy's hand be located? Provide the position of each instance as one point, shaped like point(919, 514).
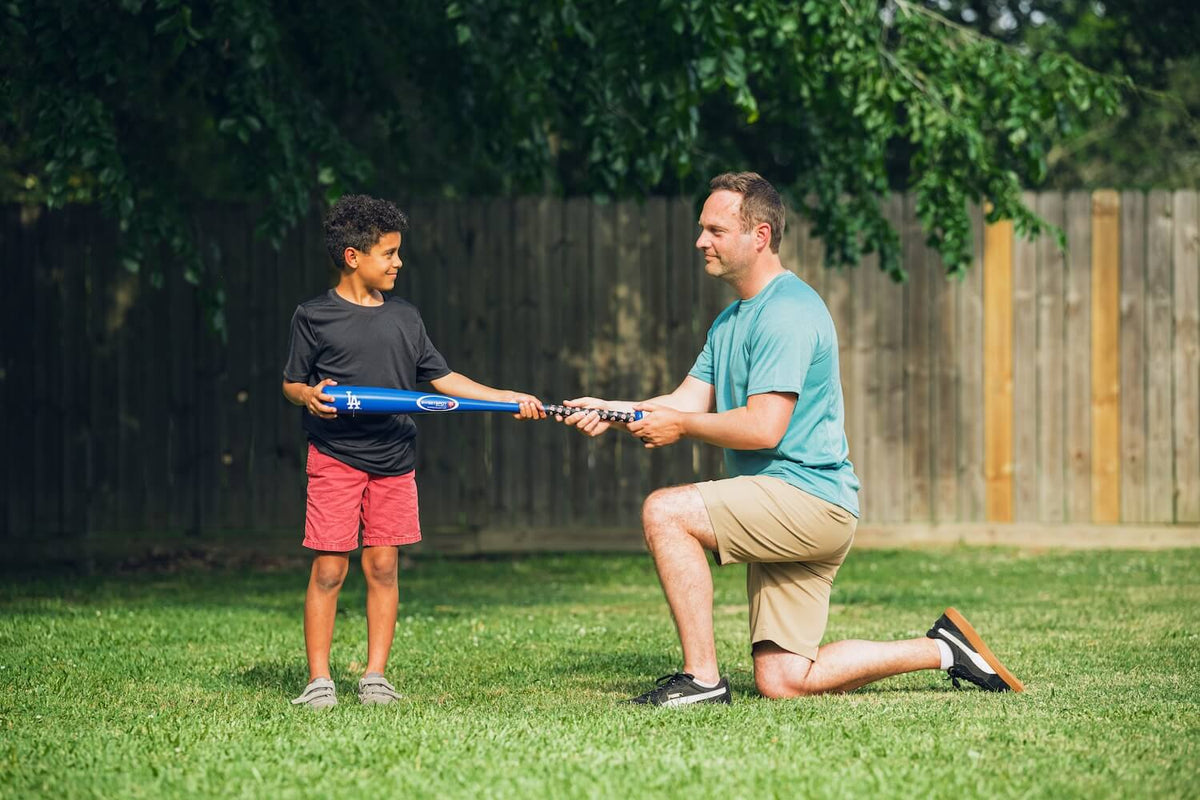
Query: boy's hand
point(589, 423)
point(531, 407)
point(315, 395)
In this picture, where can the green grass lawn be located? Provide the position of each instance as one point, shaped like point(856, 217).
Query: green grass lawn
point(169, 685)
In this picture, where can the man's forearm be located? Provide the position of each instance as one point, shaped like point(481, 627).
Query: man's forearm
point(736, 429)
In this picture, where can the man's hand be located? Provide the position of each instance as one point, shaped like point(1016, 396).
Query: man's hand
point(313, 397)
point(659, 426)
point(589, 423)
point(531, 407)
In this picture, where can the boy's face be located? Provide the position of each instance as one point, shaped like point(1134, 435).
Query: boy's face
point(377, 269)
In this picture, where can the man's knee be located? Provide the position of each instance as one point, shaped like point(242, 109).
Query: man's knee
point(775, 686)
point(779, 674)
point(656, 514)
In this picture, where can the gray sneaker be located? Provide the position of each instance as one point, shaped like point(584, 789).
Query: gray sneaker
point(320, 693)
point(374, 690)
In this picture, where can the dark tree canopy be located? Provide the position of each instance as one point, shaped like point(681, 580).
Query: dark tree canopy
point(148, 108)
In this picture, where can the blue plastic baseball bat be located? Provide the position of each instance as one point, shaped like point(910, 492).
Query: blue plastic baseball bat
point(355, 400)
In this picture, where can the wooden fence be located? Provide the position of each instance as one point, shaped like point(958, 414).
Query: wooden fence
point(1044, 387)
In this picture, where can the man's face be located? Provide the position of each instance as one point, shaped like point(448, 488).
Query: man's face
point(728, 250)
point(377, 269)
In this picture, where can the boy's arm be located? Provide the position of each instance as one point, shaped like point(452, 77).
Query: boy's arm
point(458, 385)
point(301, 394)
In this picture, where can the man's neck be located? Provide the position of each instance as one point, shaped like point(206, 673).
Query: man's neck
point(755, 279)
point(353, 291)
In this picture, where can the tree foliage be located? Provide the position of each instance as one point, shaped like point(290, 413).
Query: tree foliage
point(148, 108)
point(1154, 139)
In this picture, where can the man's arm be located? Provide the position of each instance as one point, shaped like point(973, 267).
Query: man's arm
point(691, 395)
point(758, 425)
point(459, 385)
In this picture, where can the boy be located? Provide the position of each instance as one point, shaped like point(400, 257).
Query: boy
point(363, 469)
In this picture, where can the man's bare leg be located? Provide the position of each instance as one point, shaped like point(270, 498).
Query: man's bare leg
point(840, 666)
point(320, 609)
point(383, 598)
point(678, 531)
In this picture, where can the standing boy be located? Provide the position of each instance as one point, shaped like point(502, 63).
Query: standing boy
point(362, 470)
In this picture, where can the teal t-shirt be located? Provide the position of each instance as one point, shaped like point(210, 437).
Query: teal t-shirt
point(783, 340)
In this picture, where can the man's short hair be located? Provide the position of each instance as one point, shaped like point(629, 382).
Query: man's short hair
point(359, 221)
point(760, 202)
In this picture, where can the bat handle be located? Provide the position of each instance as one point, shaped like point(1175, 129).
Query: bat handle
point(604, 414)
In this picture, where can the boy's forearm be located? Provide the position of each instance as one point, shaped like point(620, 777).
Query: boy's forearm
point(295, 392)
point(459, 385)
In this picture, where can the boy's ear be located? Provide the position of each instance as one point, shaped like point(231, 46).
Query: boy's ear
point(349, 258)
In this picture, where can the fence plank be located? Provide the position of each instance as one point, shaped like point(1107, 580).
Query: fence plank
point(1024, 375)
point(1160, 459)
point(972, 495)
point(1078, 387)
point(684, 331)
point(602, 354)
point(1051, 364)
point(1106, 377)
point(918, 430)
point(650, 350)
point(997, 371)
point(1132, 302)
point(867, 452)
point(894, 460)
point(946, 414)
point(1186, 257)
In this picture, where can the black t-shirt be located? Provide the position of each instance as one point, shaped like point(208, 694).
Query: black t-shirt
point(384, 345)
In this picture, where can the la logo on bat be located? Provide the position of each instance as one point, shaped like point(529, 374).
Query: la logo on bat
point(433, 402)
point(352, 402)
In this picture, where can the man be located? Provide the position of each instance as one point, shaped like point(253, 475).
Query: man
point(766, 388)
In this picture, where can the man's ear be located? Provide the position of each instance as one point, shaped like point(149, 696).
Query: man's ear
point(762, 236)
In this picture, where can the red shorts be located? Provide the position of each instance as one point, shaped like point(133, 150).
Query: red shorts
point(340, 497)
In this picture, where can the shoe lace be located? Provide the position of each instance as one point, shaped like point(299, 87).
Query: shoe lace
point(667, 680)
point(664, 684)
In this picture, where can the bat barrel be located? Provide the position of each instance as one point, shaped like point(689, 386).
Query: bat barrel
point(355, 400)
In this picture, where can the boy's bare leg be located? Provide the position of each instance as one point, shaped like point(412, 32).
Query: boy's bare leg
point(678, 531)
point(320, 609)
point(383, 597)
point(840, 666)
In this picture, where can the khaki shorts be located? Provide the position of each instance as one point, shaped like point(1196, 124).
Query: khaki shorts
point(792, 543)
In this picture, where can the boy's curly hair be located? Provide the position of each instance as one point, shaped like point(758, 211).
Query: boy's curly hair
point(358, 221)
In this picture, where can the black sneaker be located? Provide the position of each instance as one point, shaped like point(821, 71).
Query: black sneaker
point(974, 661)
point(681, 689)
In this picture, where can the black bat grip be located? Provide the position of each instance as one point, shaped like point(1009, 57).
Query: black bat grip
point(604, 414)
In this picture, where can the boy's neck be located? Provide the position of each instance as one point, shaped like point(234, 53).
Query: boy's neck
point(353, 291)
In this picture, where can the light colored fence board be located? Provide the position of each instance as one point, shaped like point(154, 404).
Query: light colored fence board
point(998, 370)
point(1106, 357)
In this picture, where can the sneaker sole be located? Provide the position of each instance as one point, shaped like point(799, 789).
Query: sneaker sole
point(977, 642)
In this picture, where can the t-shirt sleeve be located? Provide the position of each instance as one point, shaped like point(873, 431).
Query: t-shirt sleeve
point(429, 362)
point(702, 370)
point(302, 349)
point(781, 351)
